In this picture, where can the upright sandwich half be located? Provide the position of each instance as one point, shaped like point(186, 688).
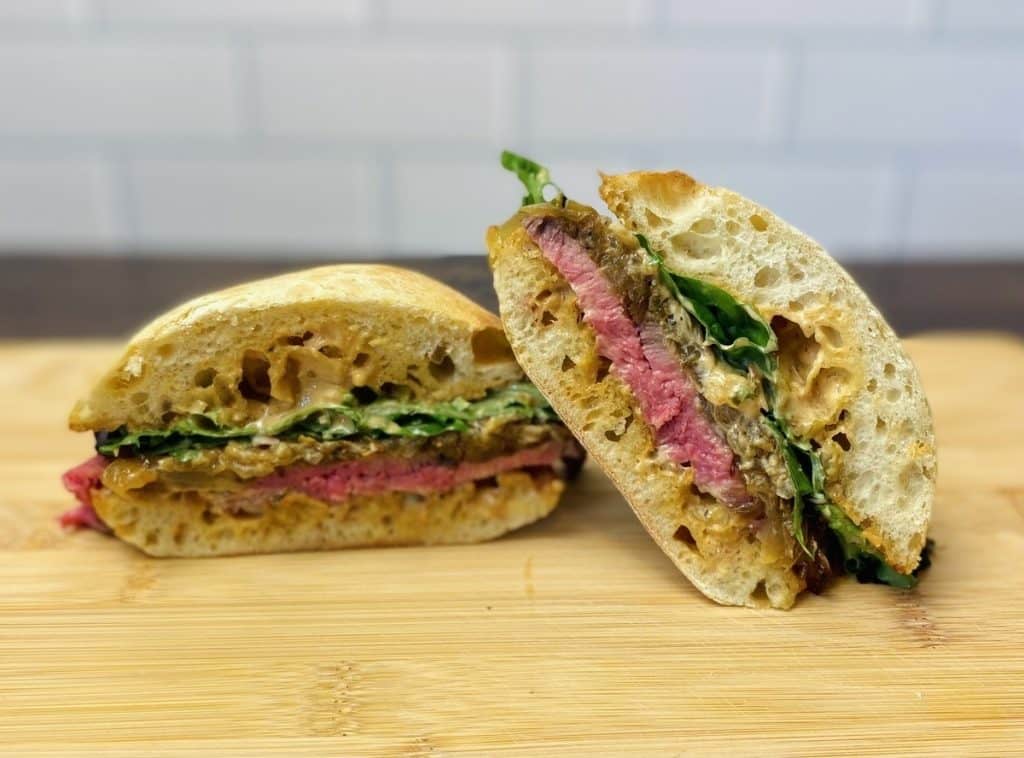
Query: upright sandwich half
point(742, 392)
point(337, 407)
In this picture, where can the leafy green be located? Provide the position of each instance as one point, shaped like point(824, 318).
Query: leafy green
point(534, 177)
point(805, 472)
point(744, 341)
point(736, 331)
point(380, 417)
point(860, 558)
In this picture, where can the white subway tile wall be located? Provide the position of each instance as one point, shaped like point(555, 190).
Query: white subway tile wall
point(657, 93)
point(262, 204)
point(54, 201)
point(938, 221)
point(41, 11)
point(985, 14)
point(434, 198)
point(377, 94)
point(797, 14)
point(272, 13)
point(103, 89)
point(612, 14)
point(371, 128)
point(924, 96)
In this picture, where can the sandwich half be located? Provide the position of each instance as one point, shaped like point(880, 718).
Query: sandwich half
point(337, 407)
point(744, 395)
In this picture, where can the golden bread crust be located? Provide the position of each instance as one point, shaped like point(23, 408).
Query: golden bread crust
point(258, 349)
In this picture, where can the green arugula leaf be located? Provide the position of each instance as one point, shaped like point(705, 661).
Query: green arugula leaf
point(737, 332)
point(381, 417)
point(861, 558)
point(534, 177)
point(801, 474)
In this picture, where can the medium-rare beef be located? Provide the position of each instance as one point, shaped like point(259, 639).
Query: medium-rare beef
point(80, 482)
point(667, 396)
point(633, 278)
point(336, 481)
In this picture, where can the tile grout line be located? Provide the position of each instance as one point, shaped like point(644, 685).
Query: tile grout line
point(247, 90)
point(795, 61)
point(129, 241)
point(384, 214)
point(907, 171)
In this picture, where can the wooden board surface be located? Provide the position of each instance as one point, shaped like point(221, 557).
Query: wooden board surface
point(574, 635)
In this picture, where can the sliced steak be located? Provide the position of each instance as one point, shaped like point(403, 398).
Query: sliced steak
point(80, 482)
point(336, 481)
point(667, 395)
point(83, 517)
point(84, 478)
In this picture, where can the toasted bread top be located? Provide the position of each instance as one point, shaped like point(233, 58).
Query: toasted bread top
point(267, 347)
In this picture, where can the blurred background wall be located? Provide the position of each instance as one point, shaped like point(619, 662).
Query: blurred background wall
point(353, 128)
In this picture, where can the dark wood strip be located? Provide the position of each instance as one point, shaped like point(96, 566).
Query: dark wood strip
point(76, 296)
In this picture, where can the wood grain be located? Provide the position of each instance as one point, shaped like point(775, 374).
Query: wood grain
point(575, 635)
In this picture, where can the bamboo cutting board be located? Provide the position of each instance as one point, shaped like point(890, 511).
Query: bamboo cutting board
point(574, 635)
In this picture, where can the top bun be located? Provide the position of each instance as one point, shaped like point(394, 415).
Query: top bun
point(264, 348)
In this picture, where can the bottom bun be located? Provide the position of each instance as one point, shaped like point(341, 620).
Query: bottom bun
point(186, 525)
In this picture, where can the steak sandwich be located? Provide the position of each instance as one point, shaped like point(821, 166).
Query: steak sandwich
point(740, 390)
point(336, 407)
